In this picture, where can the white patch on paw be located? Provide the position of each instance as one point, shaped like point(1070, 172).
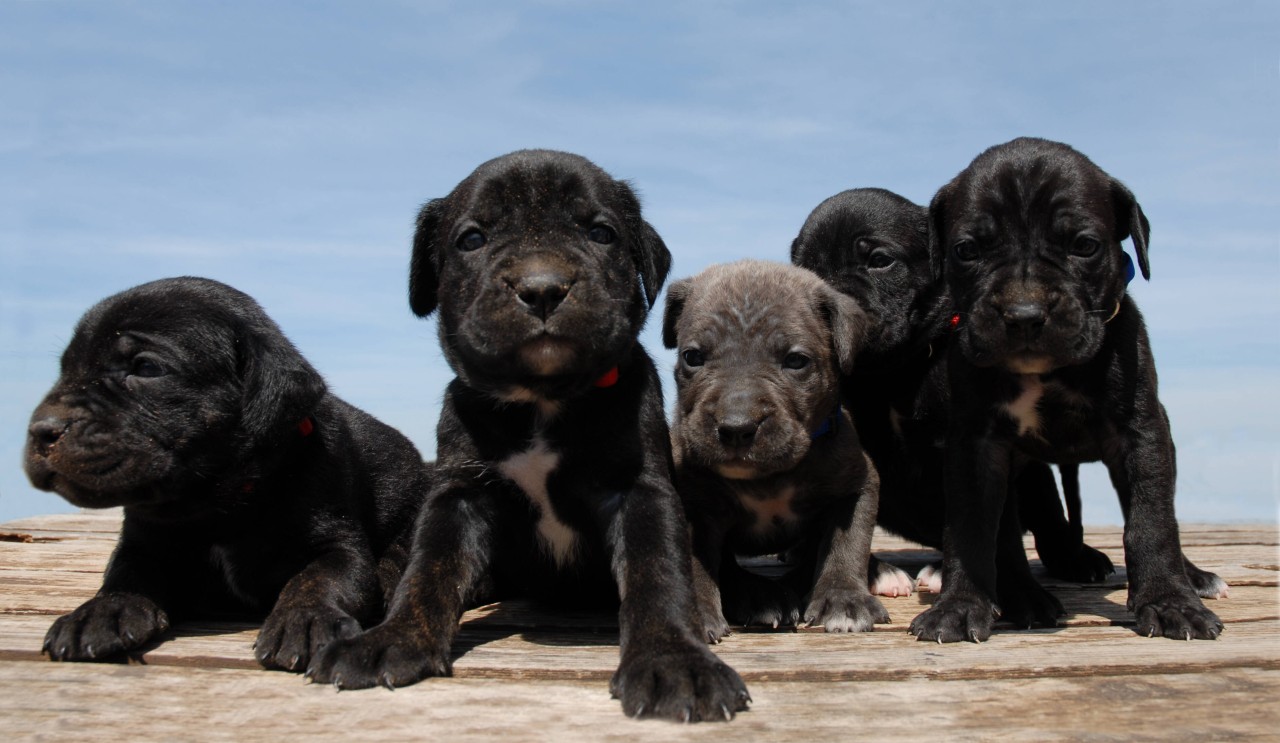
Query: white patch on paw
point(529, 470)
point(1217, 590)
point(892, 581)
point(929, 580)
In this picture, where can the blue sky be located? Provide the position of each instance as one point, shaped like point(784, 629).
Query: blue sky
point(285, 147)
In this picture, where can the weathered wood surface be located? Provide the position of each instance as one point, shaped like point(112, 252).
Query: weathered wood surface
point(527, 673)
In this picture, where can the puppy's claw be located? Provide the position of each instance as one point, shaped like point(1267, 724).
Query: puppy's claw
point(337, 682)
point(724, 710)
point(639, 711)
point(385, 681)
point(973, 636)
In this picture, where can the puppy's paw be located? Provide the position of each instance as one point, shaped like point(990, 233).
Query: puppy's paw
point(1084, 564)
point(292, 636)
point(889, 580)
point(1207, 585)
point(387, 655)
point(845, 610)
point(930, 578)
point(685, 684)
point(1178, 617)
point(761, 601)
point(104, 627)
point(1028, 604)
point(954, 619)
point(714, 626)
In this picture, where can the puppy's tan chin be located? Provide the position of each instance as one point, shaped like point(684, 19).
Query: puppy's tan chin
point(1030, 364)
point(737, 471)
point(546, 356)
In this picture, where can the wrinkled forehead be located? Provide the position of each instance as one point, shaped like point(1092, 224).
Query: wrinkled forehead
point(756, 306)
point(126, 325)
point(1056, 191)
point(529, 191)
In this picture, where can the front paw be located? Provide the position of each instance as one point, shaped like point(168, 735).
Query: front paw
point(845, 610)
point(388, 655)
point(105, 626)
point(956, 618)
point(292, 636)
point(761, 601)
point(683, 684)
point(714, 626)
point(1177, 616)
point(1027, 603)
point(1081, 565)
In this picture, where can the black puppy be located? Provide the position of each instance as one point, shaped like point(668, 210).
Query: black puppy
point(246, 486)
point(554, 472)
point(767, 458)
point(1051, 361)
point(873, 245)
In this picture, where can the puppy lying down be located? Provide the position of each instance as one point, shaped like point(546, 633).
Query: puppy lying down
point(768, 460)
point(247, 487)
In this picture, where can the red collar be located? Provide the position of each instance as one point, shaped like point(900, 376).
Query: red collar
point(608, 379)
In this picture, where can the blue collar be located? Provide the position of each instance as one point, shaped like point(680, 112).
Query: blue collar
point(1129, 270)
point(829, 425)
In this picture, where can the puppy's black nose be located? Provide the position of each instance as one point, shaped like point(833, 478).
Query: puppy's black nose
point(44, 433)
point(737, 431)
point(542, 292)
point(1028, 317)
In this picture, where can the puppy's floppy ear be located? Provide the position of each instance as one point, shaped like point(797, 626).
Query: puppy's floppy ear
point(676, 296)
point(279, 386)
point(424, 269)
point(653, 261)
point(848, 325)
point(1131, 223)
point(937, 222)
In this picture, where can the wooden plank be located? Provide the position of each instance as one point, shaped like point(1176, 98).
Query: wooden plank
point(552, 652)
point(80, 703)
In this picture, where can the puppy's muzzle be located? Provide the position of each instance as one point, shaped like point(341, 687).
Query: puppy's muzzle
point(540, 286)
point(737, 431)
point(45, 433)
point(1023, 321)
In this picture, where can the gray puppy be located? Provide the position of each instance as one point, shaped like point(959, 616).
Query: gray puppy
point(767, 459)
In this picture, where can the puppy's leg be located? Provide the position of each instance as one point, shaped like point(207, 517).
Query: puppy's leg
point(448, 563)
point(707, 547)
point(666, 668)
point(1023, 601)
point(131, 609)
point(1059, 542)
point(977, 482)
point(1161, 594)
point(841, 601)
point(325, 601)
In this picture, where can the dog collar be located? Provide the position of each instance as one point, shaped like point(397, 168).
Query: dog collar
point(608, 379)
point(828, 425)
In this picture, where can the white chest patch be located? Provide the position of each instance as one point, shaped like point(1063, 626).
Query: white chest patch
point(1025, 408)
point(529, 470)
point(770, 513)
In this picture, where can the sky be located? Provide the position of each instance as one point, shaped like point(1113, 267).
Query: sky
point(284, 148)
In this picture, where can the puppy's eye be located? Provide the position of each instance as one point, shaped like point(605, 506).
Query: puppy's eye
point(472, 240)
point(795, 360)
point(602, 234)
point(1085, 246)
point(693, 357)
point(144, 367)
point(966, 250)
point(880, 259)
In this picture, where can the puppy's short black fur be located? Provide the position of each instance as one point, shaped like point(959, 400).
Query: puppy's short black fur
point(247, 488)
point(554, 471)
point(767, 459)
point(1051, 362)
point(873, 245)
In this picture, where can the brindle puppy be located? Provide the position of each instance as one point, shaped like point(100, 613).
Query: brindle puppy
point(767, 459)
point(247, 487)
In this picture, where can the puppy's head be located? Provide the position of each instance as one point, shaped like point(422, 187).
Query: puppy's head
point(873, 245)
point(761, 350)
point(542, 270)
point(166, 391)
point(1030, 236)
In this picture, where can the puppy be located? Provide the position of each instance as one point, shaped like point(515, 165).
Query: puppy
point(873, 245)
point(767, 458)
point(246, 486)
point(554, 471)
point(1051, 362)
